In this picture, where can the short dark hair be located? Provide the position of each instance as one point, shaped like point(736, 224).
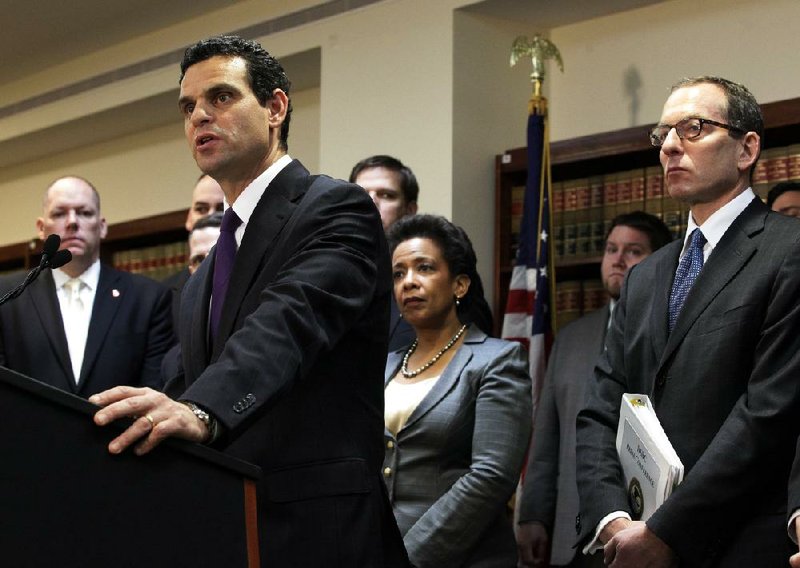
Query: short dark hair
point(779, 189)
point(458, 254)
point(213, 220)
point(264, 73)
point(744, 112)
point(408, 181)
point(657, 232)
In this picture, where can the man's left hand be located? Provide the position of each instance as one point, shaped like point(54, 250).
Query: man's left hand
point(637, 547)
point(156, 417)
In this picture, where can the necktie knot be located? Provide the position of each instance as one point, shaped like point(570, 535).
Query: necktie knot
point(697, 241)
point(73, 287)
point(230, 221)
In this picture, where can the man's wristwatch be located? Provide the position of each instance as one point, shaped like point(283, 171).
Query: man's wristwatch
point(205, 418)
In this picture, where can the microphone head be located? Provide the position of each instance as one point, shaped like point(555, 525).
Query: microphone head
point(51, 245)
point(59, 259)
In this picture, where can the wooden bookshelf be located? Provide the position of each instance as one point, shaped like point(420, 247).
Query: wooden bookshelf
point(598, 155)
point(138, 233)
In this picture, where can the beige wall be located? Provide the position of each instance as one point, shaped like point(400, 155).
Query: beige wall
point(416, 79)
point(755, 43)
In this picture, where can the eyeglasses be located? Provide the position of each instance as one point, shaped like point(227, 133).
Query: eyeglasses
point(686, 129)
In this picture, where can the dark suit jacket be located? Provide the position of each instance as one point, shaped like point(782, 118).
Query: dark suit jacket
point(456, 462)
point(550, 493)
point(295, 376)
point(129, 333)
point(726, 388)
point(175, 283)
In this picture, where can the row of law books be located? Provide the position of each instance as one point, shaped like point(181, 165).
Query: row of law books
point(157, 262)
point(575, 298)
point(774, 166)
point(584, 208)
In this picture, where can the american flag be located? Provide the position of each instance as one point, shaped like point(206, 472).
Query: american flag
point(528, 317)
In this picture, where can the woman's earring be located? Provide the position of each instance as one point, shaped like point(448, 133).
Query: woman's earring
point(458, 301)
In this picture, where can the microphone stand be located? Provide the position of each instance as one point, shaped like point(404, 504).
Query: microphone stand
point(51, 258)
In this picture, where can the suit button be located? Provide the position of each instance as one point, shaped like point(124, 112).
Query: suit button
point(390, 444)
point(387, 471)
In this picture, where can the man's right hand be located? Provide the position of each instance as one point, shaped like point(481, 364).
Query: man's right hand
point(794, 561)
point(532, 544)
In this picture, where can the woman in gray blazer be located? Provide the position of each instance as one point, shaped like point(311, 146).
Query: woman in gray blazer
point(458, 406)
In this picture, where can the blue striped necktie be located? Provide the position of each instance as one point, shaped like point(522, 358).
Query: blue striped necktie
point(688, 269)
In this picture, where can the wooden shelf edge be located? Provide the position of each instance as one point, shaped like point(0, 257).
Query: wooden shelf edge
point(156, 224)
point(172, 221)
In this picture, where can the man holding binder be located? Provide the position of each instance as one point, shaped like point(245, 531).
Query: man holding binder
point(708, 327)
point(549, 500)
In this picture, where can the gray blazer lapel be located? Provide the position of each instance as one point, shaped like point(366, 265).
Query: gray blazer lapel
point(393, 361)
point(734, 250)
point(45, 304)
point(105, 307)
point(449, 377)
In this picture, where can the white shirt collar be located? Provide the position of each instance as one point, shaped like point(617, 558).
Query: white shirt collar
point(90, 277)
point(719, 222)
point(246, 202)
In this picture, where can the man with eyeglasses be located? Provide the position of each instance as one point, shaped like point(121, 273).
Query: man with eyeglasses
point(708, 327)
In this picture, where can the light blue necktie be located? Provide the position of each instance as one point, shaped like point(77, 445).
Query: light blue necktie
point(688, 269)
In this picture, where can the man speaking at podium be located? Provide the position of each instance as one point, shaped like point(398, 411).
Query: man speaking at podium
point(85, 327)
point(284, 327)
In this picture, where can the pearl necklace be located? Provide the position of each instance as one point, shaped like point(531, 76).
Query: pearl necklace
point(404, 367)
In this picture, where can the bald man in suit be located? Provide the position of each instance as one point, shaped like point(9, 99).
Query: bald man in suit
point(123, 328)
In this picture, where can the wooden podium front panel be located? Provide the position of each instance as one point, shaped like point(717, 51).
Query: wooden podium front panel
point(65, 501)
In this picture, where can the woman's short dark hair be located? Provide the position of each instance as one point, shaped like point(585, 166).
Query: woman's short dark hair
point(458, 254)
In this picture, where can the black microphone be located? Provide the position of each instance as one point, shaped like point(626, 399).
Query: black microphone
point(50, 247)
point(60, 258)
point(51, 258)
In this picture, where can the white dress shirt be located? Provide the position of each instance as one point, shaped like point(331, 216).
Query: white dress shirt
point(76, 310)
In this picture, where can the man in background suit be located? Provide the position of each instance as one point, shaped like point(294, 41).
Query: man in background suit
point(719, 355)
point(548, 504)
point(285, 368)
point(784, 198)
point(202, 238)
point(85, 327)
point(207, 198)
point(394, 189)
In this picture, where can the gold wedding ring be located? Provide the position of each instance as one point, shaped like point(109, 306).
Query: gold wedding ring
point(150, 419)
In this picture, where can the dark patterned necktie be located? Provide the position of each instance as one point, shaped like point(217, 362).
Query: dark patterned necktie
point(223, 266)
point(688, 269)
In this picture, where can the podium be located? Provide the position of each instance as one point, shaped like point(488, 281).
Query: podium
point(65, 501)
